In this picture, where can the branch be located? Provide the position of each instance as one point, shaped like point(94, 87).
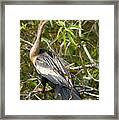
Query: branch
point(80, 32)
point(34, 90)
point(92, 76)
point(86, 87)
point(37, 97)
point(90, 94)
point(22, 40)
point(88, 54)
point(80, 67)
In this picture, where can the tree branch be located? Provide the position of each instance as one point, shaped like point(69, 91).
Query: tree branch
point(88, 54)
point(22, 40)
point(80, 67)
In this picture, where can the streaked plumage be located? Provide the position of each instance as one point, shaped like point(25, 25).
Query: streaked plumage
point(53, 71)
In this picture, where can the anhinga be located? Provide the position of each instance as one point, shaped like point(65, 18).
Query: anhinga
point(52, 69)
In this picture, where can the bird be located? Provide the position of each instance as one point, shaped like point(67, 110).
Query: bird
point(52, 69)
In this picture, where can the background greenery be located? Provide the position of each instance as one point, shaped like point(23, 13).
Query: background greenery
point(76, 41)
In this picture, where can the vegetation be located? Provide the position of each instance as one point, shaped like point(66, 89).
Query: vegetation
point(76, 41)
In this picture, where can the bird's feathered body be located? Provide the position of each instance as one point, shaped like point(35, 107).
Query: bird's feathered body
point(52, 69)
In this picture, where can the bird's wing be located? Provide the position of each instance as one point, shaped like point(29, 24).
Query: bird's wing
point(46, 66)
point(60, 62)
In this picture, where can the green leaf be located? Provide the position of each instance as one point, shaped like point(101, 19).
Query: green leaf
point(74, 27)
point(69, 31)
point(59, 31)
point(51, 23)
point(60, 23)
point(72, 40)
point(46, 41)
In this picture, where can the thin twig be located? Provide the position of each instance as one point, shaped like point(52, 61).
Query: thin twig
point(78, 72)
point(37, 86)
point(32, 79)
point(26, 42)
point(34, 90)
point(91, 94)
point(88, 54)
point(80, 67)
point(80, 33)
point(87, 87)
point(69, 65)
point(92, 76)
point(37, 97)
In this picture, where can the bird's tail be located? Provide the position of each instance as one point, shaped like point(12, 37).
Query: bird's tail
point(75, 94)
point(69, 94)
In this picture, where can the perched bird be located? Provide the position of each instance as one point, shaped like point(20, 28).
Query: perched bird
point(52, 69)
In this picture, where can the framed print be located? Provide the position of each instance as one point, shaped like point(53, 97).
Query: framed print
point(59, 60)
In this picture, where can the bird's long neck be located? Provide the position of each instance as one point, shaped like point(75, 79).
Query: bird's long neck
point(35, 49)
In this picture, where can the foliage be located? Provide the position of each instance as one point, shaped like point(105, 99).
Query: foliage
point(76, 41)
